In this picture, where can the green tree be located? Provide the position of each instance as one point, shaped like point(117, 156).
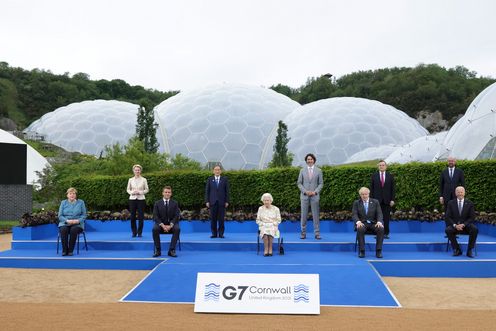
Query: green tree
point(281, 158)
point(146, 128)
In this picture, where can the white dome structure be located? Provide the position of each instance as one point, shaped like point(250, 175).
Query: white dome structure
point(473, 137)
point(227, 123)
point(334, 129)
point(373, 153)
point(422, 149)
point(35, 161)
point(88, 126)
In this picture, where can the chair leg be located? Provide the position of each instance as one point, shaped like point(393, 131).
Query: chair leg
point(78, 243)
point(85, 243)
point(258, 244)
point(58, 242)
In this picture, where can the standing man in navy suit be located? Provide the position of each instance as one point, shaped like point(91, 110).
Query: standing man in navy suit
point(382, 188)
point(451, 178)
point(166, 216)
point(217, 200)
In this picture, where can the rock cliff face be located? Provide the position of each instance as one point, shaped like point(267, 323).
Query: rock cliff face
point(432, 121)
point(7, 124)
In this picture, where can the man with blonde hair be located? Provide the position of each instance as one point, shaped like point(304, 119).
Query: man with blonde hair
point(367, 215)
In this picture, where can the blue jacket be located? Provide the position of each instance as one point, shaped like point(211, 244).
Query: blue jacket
point(72, 211)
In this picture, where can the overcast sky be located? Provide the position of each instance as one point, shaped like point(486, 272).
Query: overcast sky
point(176, 45)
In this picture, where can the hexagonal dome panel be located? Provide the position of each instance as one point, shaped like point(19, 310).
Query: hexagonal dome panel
point(230, 123)
point(422, 149)
point(472, 137)
point(336, 128)
point(88, 126)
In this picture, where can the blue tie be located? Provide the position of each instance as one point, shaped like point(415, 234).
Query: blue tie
point(217, 182)
point(366, 206)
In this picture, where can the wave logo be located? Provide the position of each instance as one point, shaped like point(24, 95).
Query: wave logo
point(212, 292)
point(301, 293)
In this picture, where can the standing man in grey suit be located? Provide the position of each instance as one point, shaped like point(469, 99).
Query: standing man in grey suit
point(310, 182)
point(451, 178)
point(367, 215)
point(217, 200)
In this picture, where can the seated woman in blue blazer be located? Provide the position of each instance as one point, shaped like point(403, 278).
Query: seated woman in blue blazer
point(72, 213)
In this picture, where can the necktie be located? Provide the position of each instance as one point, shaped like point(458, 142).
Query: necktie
point(310, 173)
point(460, 207)
point(382, 179)
point(167, 209)
point(366, 206)
point(217, 181)
point(451, 173)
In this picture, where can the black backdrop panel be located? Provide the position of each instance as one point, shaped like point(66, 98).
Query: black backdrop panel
point(13, 164)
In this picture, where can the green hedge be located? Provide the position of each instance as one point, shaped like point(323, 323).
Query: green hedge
point(417, 186)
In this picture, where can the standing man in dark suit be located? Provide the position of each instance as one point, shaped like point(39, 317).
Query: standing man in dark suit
point(166, 217)
point(367, 215)
point(217, 200)
point(460, 217)
point(382, 188)
point(451, 178)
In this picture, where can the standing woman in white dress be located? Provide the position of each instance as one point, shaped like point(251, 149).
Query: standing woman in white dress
point(137, 187)
point(268, 219)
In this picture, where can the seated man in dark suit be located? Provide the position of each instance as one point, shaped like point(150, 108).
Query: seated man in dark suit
point(166, 217)
point(367, 215)
point(460, 217)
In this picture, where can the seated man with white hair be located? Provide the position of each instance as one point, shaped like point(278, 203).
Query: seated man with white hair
point(367, 215)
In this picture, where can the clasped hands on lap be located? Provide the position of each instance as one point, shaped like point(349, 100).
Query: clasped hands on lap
point(166, 228)
point(72, 222)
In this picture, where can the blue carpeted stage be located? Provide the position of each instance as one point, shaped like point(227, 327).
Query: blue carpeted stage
point(415, 249)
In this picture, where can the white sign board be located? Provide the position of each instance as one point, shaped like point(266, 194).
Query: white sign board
point(257, 293)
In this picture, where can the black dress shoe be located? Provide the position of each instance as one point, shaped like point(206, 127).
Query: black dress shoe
point(221, 236)
point(457, 252)
point(134, 235)
point(470, 253)
point(64, 253)
point(266, 254)
point(386, 236)
point(318, 237)
point(157, 254)
point(361, 254)
point(378, 254)
point(139, 235)
point(70, 254)
point(172, 254)
point(213, 236)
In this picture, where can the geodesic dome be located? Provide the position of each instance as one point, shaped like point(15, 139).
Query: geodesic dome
point(35, 161)
point(334, 129)
point(373, 153)
point(227, 123)
point(88, 126)
point(422, 149)
point(473, 137)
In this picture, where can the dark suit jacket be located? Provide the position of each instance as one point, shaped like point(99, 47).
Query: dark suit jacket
point(453, 216)
point(214, 193)
point(447, 185)
point(374, 213)
point(160, 215)
point(384, 194)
